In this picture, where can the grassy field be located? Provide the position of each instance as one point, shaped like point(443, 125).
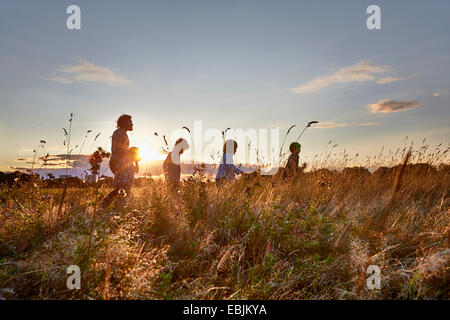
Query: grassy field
point(254, 239)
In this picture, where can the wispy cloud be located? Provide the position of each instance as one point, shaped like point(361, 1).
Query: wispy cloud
point(439, 92)
point(85, 71)
point(360, 72)
point(93, 123)
point(387, 106)
point(60, 80)
point(330, 124)
point(57, 160)
point(368, 124)
point(391, 79)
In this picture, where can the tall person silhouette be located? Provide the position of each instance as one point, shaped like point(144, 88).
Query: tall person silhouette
point(123, 162)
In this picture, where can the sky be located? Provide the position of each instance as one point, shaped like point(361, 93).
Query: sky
point(239, 64)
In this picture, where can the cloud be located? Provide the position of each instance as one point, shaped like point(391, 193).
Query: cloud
point(391, 79)
point(57, 161)
point(387, 106)
point(439, 92)
point(57, 164)
point(63, 157)
point(360, 72)
point(85, 71)
point(330, 124)
point(60, 80)
point(368, 124)
point(93, 123)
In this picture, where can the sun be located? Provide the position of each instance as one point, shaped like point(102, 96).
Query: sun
point(147, 154)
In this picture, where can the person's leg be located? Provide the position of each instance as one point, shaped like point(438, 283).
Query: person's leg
point(120, 204)
point(120, 183)
point(109, 198)
point(126, 182)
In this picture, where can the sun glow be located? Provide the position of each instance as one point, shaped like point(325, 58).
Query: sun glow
point(148, 154)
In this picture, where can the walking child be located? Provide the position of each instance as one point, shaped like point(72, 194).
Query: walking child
point(172, 164)
point(291, 170)
point(227, 170)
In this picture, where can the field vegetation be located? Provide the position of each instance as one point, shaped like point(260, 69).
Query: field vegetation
point(258, 238)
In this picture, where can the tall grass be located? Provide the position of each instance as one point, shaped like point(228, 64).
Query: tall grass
point(254, 239)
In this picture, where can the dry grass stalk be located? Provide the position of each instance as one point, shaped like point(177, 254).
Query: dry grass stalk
point(268, 249)
point(395, 188)
point(107, 279)
point(341, 236)
point(91, 229)
point(61, 202)
point(224, 264)
point(448, 237)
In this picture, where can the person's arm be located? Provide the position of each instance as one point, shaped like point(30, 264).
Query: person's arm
point(229, 162)
point(136, 167)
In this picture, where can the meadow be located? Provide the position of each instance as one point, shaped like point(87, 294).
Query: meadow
point(258, 238)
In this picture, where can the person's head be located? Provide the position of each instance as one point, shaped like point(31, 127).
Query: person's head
point(182, 145)
point(125, 122)
point(295, 147)
point(230, 146)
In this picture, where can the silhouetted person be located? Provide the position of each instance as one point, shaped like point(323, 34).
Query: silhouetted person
point(172, 164)
point(291, 170)
point(227, 170)
point(123, 161)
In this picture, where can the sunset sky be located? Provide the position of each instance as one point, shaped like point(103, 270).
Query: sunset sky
point(240, 64)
